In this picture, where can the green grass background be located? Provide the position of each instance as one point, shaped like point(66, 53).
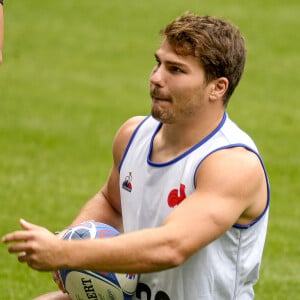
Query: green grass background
point(74, 71)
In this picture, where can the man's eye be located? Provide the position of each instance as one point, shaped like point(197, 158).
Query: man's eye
point(156, 66)
point(176, 70)
point(158, 63)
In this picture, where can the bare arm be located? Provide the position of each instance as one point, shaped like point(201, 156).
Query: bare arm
point(230, 188)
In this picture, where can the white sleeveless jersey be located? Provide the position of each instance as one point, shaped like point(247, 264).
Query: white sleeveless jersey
point(228, 267)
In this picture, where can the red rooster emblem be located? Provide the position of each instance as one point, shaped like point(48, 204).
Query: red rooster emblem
point(176, 196)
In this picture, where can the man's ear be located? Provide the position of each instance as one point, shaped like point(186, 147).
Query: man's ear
point(219, 87)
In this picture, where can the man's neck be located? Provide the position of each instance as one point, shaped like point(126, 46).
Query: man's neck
point(173, 140)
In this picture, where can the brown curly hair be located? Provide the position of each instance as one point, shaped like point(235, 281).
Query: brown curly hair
point(217, 44)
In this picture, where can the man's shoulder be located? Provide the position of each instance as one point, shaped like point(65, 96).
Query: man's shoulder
point(130, 125)
point(124, 135)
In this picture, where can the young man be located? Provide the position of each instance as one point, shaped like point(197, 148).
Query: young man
point(1, 29)
point(195, 213)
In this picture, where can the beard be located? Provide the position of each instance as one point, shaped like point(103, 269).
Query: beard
point(161, 109)
point(163, 115)
point(168, 113)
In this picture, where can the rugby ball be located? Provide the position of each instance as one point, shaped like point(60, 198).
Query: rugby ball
point(87, 285)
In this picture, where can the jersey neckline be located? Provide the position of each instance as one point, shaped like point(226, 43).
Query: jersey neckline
point(184, 154)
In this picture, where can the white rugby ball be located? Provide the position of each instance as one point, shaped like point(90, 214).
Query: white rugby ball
point(87, 285)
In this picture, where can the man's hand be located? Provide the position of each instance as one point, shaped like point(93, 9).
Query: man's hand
point(35, 245)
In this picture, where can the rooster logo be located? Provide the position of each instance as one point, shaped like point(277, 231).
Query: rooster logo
point(127, 185)
point(176, 196)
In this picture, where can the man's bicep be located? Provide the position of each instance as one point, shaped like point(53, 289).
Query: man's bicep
point(200, 219)
point(219, 200)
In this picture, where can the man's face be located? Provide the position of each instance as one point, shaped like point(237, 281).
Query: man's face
point(177, 86)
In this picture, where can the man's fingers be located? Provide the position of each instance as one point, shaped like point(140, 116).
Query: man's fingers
point(23, 235)
point(16, 236)
point(32, 245)
point(22, 257)
point(19, 247)
point(28, 226)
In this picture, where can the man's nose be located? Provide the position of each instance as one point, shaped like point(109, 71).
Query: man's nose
point(157, 77)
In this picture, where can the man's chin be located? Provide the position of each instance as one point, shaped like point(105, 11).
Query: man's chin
point(162, 116)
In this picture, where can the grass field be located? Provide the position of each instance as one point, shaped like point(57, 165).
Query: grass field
point(75, 70)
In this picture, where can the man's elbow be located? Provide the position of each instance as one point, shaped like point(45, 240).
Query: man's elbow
point(174, 255)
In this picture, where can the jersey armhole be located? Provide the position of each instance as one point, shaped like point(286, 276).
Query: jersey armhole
point(130, 141)
point(239, 226)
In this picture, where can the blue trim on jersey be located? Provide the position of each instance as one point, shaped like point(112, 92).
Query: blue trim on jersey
point(153, 164)
point(239, 226)
point(130, 141)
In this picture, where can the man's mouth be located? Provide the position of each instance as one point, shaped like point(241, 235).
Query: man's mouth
point(159, 99)
point(159, 96)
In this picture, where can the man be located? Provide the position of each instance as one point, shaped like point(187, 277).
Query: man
point(1, 29)
point(195, 213)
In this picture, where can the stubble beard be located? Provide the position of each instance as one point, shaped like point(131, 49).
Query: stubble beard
point(163, 115)
point(168, 116)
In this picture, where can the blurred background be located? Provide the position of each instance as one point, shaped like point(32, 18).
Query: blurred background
point(74, 71)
